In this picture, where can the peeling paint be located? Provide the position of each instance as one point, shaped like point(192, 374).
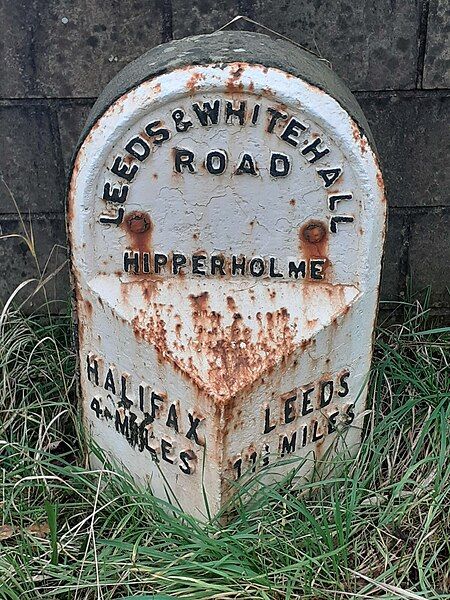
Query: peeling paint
point(226, 292)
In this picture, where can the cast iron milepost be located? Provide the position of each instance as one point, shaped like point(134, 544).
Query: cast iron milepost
point(226, 217)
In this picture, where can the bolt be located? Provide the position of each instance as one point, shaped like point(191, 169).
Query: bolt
point(138, 223)
point(314, 233)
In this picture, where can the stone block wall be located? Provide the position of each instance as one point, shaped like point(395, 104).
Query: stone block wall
point(57, 55)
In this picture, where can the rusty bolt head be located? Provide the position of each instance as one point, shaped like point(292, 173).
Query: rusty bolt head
point(139, 223)
point(314, 233)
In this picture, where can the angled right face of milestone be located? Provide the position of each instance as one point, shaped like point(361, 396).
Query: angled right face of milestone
point(226, 216)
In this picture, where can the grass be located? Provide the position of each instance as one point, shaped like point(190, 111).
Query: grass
point(380, 528)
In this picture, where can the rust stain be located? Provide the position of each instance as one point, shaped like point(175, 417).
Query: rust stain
point(380, 181)
point(149, 287)
point(346, 307)
point(128, 159)
point(315, 89)
point(313, 242)
point(363, 145)
point(72, 187)
point(232, 356)
point(124, 291)
point(81, 328)
point(359, 138)
point(194, 80)
point(233, 83)
point(292, 202)
point(307, 343)
point(84, 315)
point(199, 303)
point(155, 328)
point(139, 229)
point(231, 304)
point(314, 232)
point(138, 222)
point(381, 185)
point(96, 125)
point(118, 107)
point(319, 444)
point(88, 307)
point(311, 323)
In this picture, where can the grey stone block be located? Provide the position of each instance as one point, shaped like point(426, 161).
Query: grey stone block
point(409, 133)
point(61, 48)
point(71, 122)
point(430, 255)
point(203, 16)
point(30, 160)
point(17, 263)
point(436, 71)
point(371, 45)
point(393, 275)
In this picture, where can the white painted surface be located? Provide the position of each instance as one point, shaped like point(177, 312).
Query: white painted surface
point(222, 348)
